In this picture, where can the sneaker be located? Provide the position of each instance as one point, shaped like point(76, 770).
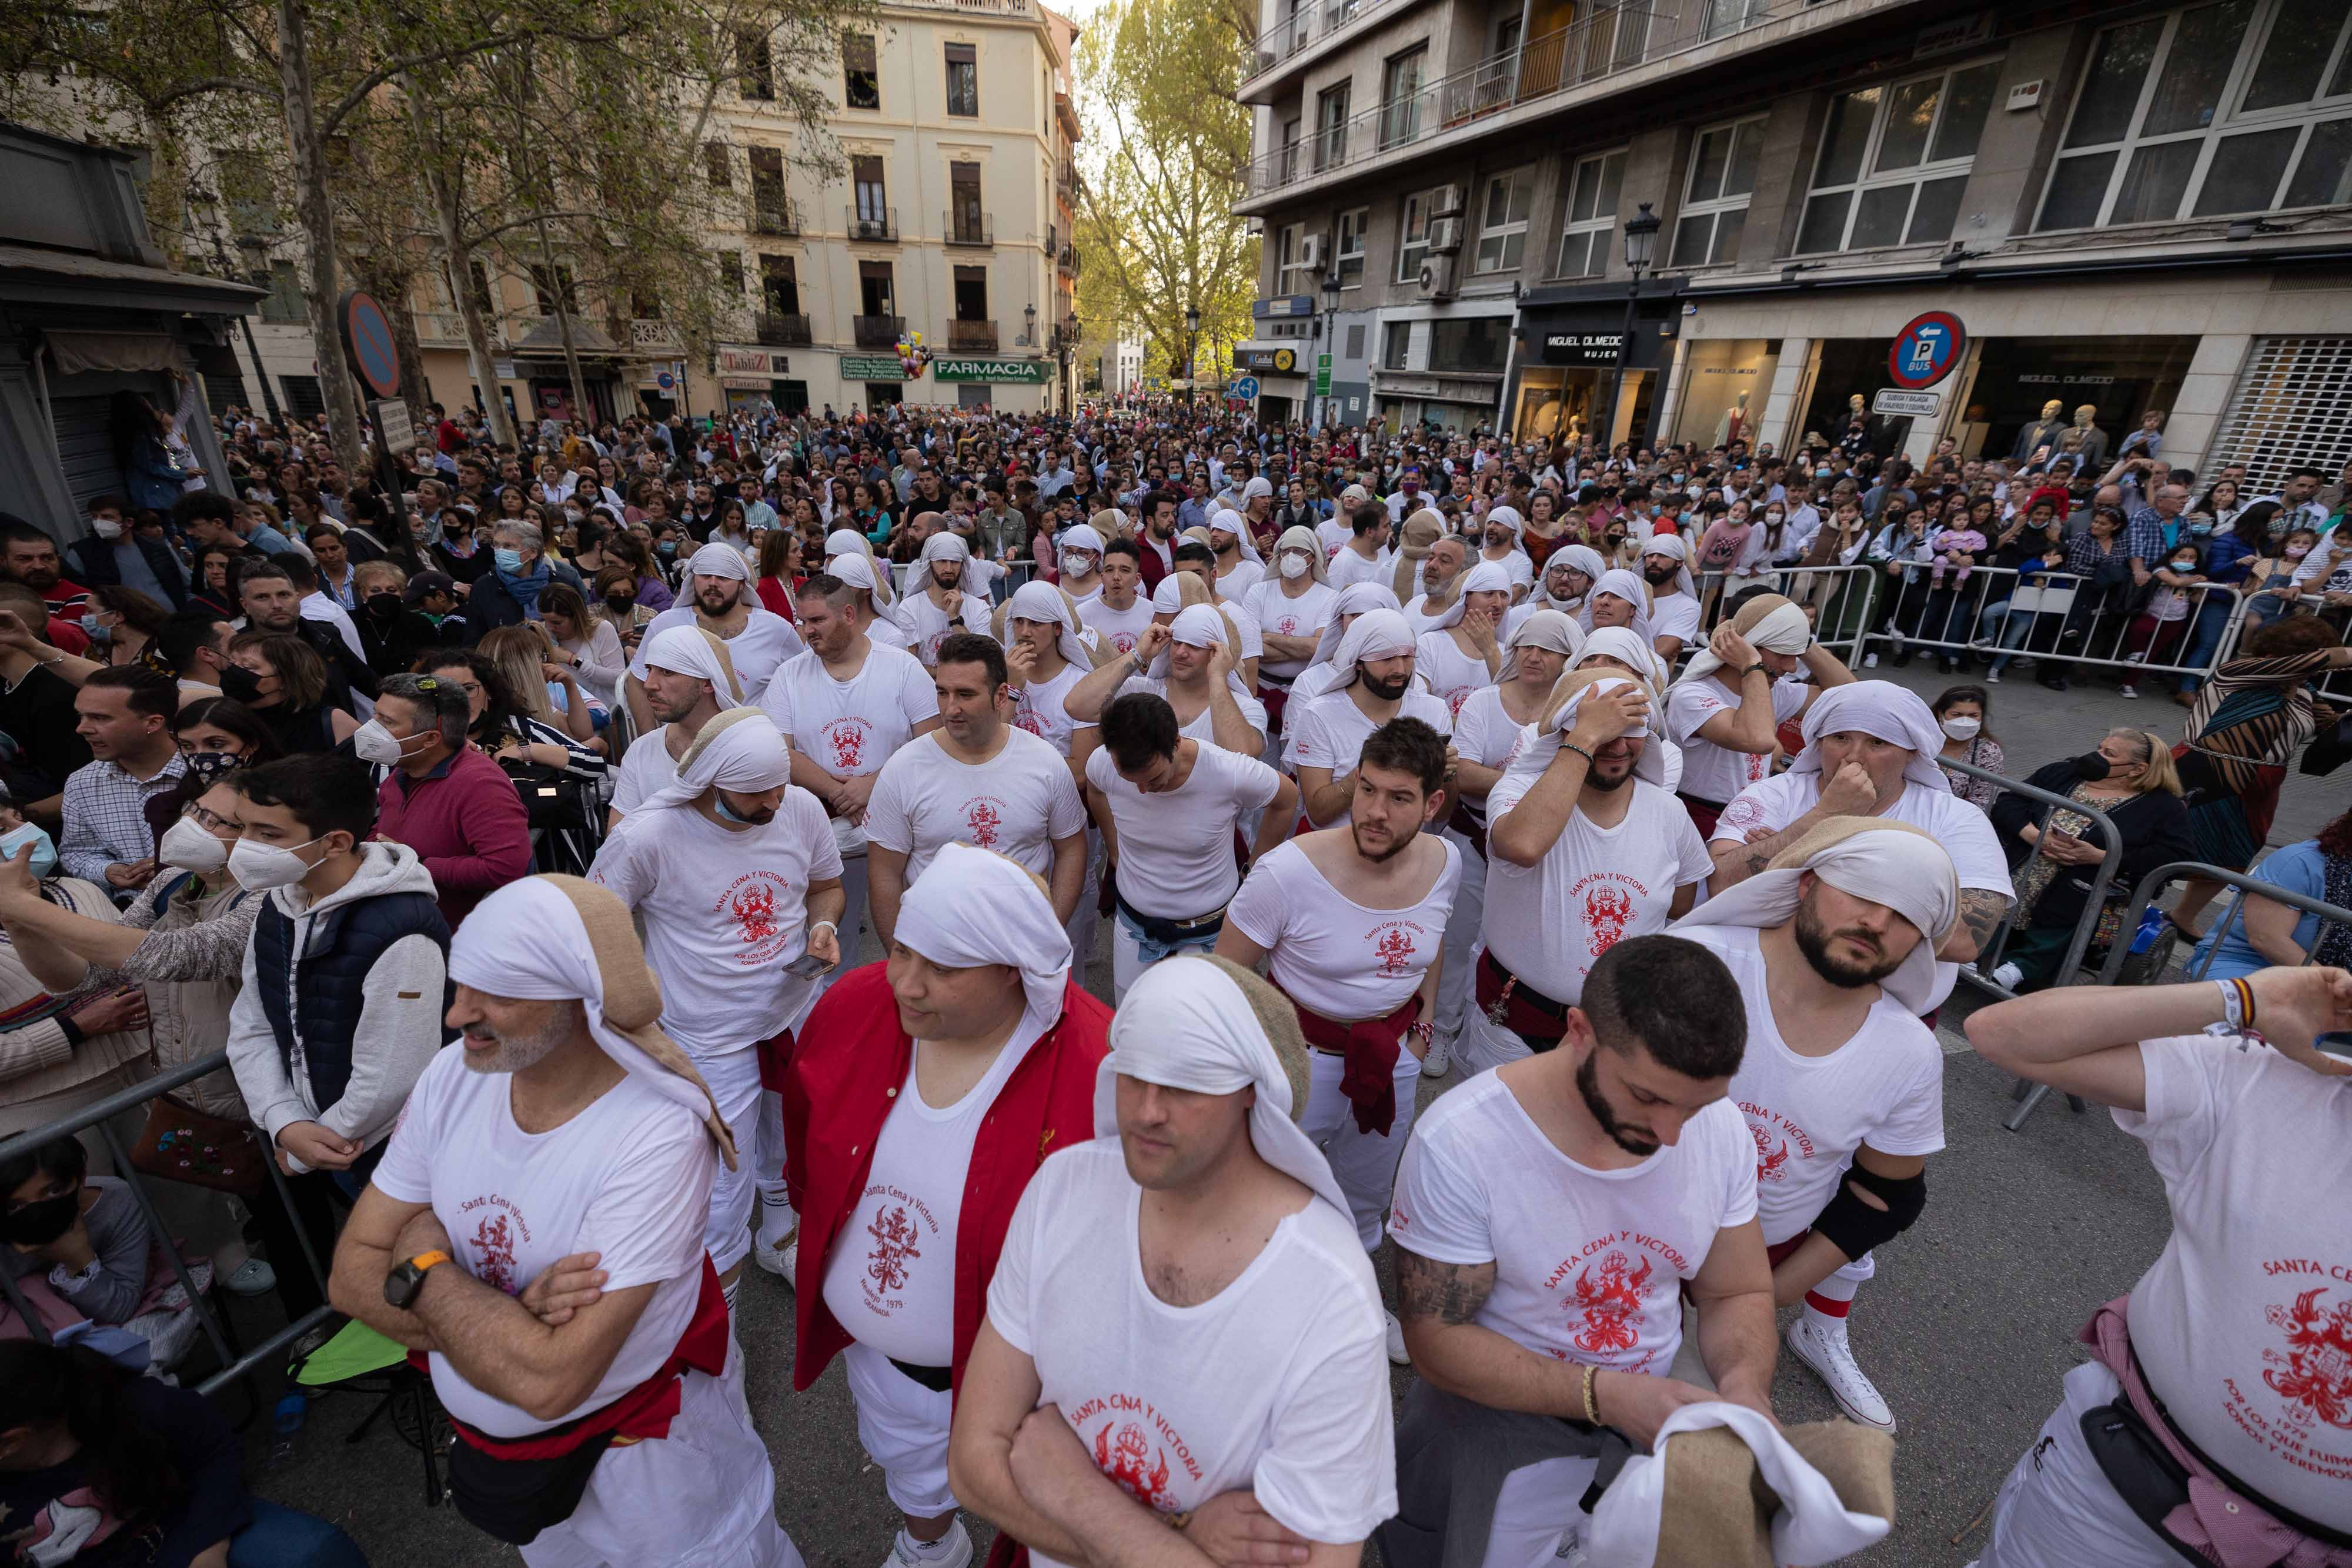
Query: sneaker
point(2129, 690)
point(1870, 661)
point(783, 1261)
point(2135, 658)
point(1993, 677)
point(1440, 1059)
point(952, 1549)
point(2006, 976)
point(1832, 1359)
point(1396, 1340)
point(251, 1277)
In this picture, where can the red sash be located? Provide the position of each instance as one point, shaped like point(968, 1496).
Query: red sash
point(1276, 699)
point(775, 1058)
point(1507, 1001)
point(1370, 1047)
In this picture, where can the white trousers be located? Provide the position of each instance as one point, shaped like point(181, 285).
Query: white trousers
point(1462, 928)
point(851, 923)
point(703, 1497)
point(1481, 1044)
point(1535, 1508)
point(903, 1427)
point(734, 1079)
point(1127, 965)
point(1363, 1164)
point(2057, 1509)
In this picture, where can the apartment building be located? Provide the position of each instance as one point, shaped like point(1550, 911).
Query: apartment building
point(2119, 209)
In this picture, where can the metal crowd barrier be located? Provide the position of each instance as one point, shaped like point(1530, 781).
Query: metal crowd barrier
point(99, 1115)
point(2052, 616)
point(1980, 973)
point(1844, 597)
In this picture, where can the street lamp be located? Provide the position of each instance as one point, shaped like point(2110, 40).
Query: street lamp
point(1641, 247)
point(1331, 287)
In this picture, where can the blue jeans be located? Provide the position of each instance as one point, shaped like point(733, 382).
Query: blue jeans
point(282, 1538)
point(2205, 640)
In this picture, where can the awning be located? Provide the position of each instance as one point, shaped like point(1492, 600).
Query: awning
point(74, 353)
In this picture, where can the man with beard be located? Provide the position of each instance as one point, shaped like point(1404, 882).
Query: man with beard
point(688, 683)
point(1500, 542)
point(736, 873)
point(1291, 609)
point(1156, 545)
point(1353, 918)
point(1673, 602)
point(1364, 558)
point(1834, 950)
point(1549, 1215)
point(535, 1227)
point(1191, 662)
point(1460, 649)
point(1237, 569)
point(758, 640)
point(1372, 683)
point(266, 592)
point(1442, 561)
point(1117, 614)
point(941, 607)
point(29, 557)
point(1586, 848)
point(1727, 709)
point(1046, 655)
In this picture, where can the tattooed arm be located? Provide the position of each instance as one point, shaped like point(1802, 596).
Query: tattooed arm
point(1436, 1301)
point(1980, 910)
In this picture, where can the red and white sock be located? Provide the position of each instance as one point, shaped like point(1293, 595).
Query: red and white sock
point(1826, 1304)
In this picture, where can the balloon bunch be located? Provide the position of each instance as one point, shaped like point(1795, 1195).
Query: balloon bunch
point(912, 355)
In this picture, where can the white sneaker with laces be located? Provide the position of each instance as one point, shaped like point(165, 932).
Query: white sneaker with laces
point(1870, 661)
point(1440, 1059)
point(2007, 975)
point(1396, 1339)
point(1827, 1351)
point(952, 1549)
point(783, 1261)
point(251, 1277)
point(1993, 677)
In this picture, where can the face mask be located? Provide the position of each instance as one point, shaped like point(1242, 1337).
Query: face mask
point(38, 1224)
point(384, 606)
point(2091, 767)
point(45, 850)
point(187, 844)
point(211, 764)
point(666, 548)
point(105, 527)
point(258, 865)
point(373, 743)
point(1963, 728)
point(2201, 529)
point(1296, 566)
point(2296, 552)
point(452, 529)
point(509, 561)
point(94, 631)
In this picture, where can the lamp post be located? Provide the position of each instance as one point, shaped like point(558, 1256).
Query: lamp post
point(1192, 357)
point(1641, 242)
point(1331, 287)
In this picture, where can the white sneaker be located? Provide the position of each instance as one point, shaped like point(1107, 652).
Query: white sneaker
point(251, 1277)
point(952, 1549)
point(1440, 1059)
point(1396, 1339)
point(2007, 975)
point(1993, 677)
point(1870, 661)
point(783, 1261)
point(1831, 1358)
point(2129, 690)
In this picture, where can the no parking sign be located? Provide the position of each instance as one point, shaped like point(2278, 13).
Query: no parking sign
point(1925, 351)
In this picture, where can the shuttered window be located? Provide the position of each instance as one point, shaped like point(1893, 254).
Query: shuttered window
point(2292, 409)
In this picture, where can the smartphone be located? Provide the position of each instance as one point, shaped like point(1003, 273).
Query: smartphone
point(807, 966)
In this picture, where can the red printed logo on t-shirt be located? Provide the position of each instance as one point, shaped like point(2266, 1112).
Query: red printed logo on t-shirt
point(1774, 1133)
point(2313, 1373)
point(491, 1246)
point(1123, 640)
point(1286, 627)
point(751, 902)
point(1608, 1298)
point(1393, 945)
point(894, 1247)
point(848, 739)
point(1741, 816)
point(985, 817)
point(1770, 1160)
point(1137, 1447)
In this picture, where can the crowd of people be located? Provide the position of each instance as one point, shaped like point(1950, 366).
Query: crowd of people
point(519, 837)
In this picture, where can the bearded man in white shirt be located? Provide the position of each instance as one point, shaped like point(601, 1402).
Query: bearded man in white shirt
point(688, 683)
point(1675, 608)
point(1373, 671)
point(941, 606)
point(757, 639)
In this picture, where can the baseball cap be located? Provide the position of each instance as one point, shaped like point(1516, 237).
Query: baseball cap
point(425, 582)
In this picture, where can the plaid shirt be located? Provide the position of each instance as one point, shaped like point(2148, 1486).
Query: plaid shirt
point(2145, 536)
point(106, 819)
point(2084, 552)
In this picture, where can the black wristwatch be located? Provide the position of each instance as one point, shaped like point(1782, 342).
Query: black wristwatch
point(1755, 668)
point(407, 1277)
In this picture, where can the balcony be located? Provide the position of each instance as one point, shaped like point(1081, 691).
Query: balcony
point(876, 332)
point(968, 225)
point(1309, 22)
point(871, 223)
point(1605, 46)
point(774, 216)
point(971, 336)
point(1069, 260)
point(648, 336)
point(775, 329)
point(440, 329)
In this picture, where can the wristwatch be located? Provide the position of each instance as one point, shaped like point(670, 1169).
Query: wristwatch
point(1756, 669)
point(407, 1277)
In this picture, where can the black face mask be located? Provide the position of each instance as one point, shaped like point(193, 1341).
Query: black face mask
point(38, 1224)
point(621, 606)
point(2091, 766)
point(384, 606)
point(237, 682)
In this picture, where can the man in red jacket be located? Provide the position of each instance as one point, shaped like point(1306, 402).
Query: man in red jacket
point(946, 1076)
point(444, 798)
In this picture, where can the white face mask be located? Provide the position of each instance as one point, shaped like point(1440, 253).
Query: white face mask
point(373, 743)
point(105, 527)
point(1296, 566)
point(189, 845)
point(256, 865)
point(1963, 728)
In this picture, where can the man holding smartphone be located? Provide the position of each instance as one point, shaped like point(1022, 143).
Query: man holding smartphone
point(740, 880)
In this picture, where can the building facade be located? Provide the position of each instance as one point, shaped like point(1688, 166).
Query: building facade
point(2119, 208)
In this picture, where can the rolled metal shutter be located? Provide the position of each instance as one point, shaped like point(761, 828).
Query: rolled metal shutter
point(2292, 409)
point(85, 431)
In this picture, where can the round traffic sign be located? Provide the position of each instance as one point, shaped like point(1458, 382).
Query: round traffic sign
point(1244, 389)
point(367, 335)
point(665, 380)
point(1926, 350)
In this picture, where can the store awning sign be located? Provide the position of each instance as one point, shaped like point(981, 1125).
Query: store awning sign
point(1015, 373)
point(1909, 405)
point(1584, 348)
point(1926, 351)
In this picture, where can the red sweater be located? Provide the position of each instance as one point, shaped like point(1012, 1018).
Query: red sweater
point(466, 824)
point(851, 1059)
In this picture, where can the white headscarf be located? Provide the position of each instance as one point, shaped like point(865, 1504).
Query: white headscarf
point(1669, 543)
point(1892, 863)
point(691, 650)
point(1479, 576)
point(1881, 709)
point(1355, 599)
point(1187, 1025)
point(945, 544)
point(1540, 741)
point(1549, 629)
point(846, 545)
point(531, 940)
point(1584, 558)
point(717, 559)
point(1042, 601)
point(1770, 623)
point(1300, 537)
point(973, 906)
point(1079, 536)
point(1509, 518)
point(1627, 647)
point(739, 750)
point(1231, 520)
point(1619, 583)
point(1377, 634)
point(1169, 597)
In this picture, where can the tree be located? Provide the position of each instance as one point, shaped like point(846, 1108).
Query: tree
point(1156, 218)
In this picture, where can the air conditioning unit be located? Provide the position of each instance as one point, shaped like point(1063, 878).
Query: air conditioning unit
point(1447, 200)
point(1311, 250)
point(1437, 278)
point(1444, 236)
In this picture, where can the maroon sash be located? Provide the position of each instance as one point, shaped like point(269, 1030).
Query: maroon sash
point(1370, 1048)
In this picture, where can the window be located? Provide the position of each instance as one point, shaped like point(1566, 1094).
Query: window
point(1349, 254)
point(1894, 161)
point(480, 276)
point(546, 287)
point(284, 301)
point(1356, 341)
point(1401, 81)
point(714, 164)
point(1396, 340)
point(755, 68)
point(967, 221)
point(1413, 237)
point(1289, 151)
point(1475, 343)
point(1503, 220)
point(730, 272)
point(780, 285)
point(963, 80)
point(874, 287)
point(2239, 107)
point(1592, 214)
point(1714, 202)
point(873, 200)
point(971, 294)
point(772, 210)
point(1331, 127)
point(861, 87)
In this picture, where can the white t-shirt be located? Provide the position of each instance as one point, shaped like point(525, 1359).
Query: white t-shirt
point(1275, 614)
point(1550, 922)
point(1331, 955)
point(1965, 833)
point(645, 767)
point(1297, 1410)
point(1347, 568)
point(1333, 533)
point(1038, 707)
point(1587, 1263)
point(1516, 565)
point(1485, 733)
point(1235, 585)
point(1016, 803)
point(1714, 772)
point(890, 1280)
point(1676, 615)
point(1118, 628)
point(1175, 848)
point(766, 641)
point(1884, 1087)
point(1452, 674)
point(928, 625)
point(2240, 1322)
point(849, 727)
point(1201, 727)
point(629, 1177)
point(1330, 731)
point(725, 910)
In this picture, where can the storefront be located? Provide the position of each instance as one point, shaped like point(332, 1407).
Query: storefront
point(884, 377)
point(980, 382)
point(1283, 378)
point(2117, 379)
point(1724, 385)
point(1572, 344)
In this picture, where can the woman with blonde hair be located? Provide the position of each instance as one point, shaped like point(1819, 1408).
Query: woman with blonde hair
point(534, 678)
point(2054, 853)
